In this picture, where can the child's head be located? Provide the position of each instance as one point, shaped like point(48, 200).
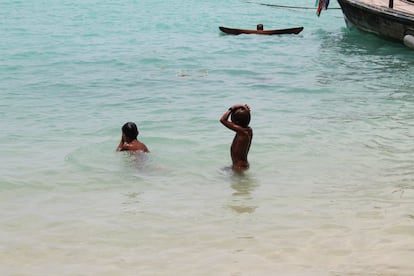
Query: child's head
point(241, 117)
point(130, 131)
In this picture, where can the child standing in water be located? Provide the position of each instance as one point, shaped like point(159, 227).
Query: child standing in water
point(129, 140)
point(240, 119)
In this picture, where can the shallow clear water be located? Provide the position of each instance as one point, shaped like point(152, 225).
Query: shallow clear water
point(330, 188)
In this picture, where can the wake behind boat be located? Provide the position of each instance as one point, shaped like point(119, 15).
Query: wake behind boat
point(260, 31)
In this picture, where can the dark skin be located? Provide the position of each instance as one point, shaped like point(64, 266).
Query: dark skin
point(241, 142)
point(131, 144)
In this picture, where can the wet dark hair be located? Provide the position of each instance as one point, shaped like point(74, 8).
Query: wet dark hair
point(130, 130)
point(241, 117)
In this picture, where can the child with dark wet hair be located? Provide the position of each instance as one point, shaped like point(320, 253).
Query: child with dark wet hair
point(129, 140)
point(240, 119)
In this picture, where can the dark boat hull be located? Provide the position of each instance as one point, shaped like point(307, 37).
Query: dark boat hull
point(265, 32)
point(382, 21)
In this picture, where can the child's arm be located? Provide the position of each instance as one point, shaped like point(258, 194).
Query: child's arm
point(121, 144)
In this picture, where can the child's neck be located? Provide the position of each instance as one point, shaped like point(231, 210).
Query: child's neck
point(131, 140)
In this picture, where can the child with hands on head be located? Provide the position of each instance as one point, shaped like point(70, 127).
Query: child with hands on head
point(239, 123)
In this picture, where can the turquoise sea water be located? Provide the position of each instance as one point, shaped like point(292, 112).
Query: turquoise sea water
point(330, 190)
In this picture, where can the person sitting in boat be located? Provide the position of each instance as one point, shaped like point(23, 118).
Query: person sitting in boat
point(260, 27)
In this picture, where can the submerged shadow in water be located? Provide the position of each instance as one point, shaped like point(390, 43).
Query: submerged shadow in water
point(136, 160)
point(243, 184)
point(353, 42)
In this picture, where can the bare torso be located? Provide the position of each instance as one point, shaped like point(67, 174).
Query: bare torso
point(240, 148)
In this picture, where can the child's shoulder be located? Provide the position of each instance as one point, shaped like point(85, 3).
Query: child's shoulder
point(139, 146)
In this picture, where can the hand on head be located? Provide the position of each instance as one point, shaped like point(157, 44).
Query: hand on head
point(237, 106)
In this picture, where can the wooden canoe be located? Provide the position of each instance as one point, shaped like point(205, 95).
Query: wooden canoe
point(261, 32)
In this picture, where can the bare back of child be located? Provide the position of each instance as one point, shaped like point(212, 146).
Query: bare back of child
point(240, 119)
point(129, 140)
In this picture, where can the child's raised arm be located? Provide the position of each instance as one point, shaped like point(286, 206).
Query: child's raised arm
point(121, 144)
